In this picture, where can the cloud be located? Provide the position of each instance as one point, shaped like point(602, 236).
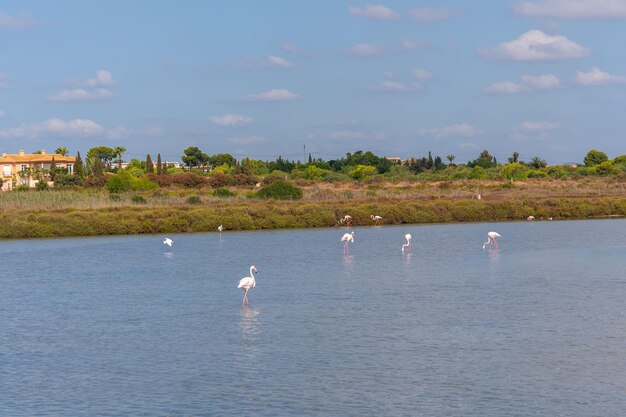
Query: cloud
point(280, 62)
point(571, 9)
point(89, 90)
point(431, 15)
point(537, 126)
point(271, 61)
point(2, 114)
point(103, 78)
point(76, 128)
point(463, 129)
point(506, 88)
point(230, 120)
point(273, 95)
point(535, 45)
point(395, 87)
point(248, 140)
point(81, 94)
point(365, 50)
point(377, 11)
point(291, 48)
point(598, 77)
point(546, 81)
point(346, 134)
point(17, 22)
point(422, 74)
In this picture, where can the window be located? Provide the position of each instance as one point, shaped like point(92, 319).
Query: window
point(6, 171)
point(69, 167)
point(24, 167)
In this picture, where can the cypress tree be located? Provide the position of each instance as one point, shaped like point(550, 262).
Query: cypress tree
point(53, 169)
point(149, 165)
point(79, 169)
point(159, 167)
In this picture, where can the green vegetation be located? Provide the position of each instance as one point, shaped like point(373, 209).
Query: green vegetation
point(280, 190)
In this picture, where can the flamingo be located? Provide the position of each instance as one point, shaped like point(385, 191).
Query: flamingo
point(168, 241)
point(407, 245)
point(220, 228)
point(246, 283)
point(347, 218)
point(348, 237)
point(491, 239)
point(530, 218)
point(377, 219)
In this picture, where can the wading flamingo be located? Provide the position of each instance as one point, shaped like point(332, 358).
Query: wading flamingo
point(530, 218)
point(377, 219)
point(348, 237)
point(220, 228)
point(491, 239)
point(407, 245)
point(246, 283)
point(347, 218)
point(168, 241)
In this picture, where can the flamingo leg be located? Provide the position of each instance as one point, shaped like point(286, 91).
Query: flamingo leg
point(496, 243)
point(245, 297)
point(345, 247)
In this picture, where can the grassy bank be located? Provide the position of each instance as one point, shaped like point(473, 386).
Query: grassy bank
point(242, 214)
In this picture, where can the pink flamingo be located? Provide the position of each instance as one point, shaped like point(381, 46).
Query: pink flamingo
point(407, 245)
point(246, 283)
point(348, 237)
point(347, 218)
point(377, 219)
point(491, 239)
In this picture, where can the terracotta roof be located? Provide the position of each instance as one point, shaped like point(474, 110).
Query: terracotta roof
point(13, 158)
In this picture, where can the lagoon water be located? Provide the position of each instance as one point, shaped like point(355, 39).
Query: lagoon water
point(126, 326)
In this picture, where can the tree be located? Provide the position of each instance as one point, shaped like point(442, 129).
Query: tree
point(484, 160)
point(53, 169)
point(61, 150)
point(102, 153)
point(595, 157)
point(79, 169)
point(149, 165)
point(119, 151)
point(194, 157)
point(450, 158)
point(537, 163)
point(159, 168)
point(514, 158)
point(222, 159)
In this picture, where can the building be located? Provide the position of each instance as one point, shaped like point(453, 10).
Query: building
point(26, 168)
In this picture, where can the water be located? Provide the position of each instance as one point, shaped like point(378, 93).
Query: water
point(126, 326)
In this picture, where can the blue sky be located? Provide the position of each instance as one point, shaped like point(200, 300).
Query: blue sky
point(265, 78)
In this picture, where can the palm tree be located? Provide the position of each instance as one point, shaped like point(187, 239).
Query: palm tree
point(61, 150)
point(514, 158)
point(119, 151)
point(537, 163)
point(450, 158)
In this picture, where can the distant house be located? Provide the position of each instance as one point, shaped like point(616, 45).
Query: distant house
point(14, 164)
point(395, 160)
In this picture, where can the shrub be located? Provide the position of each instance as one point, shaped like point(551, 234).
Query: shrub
point(66, 180)
point(604, 168)
point(478, 173)
point(223, 192)
point(115, 197)
point(119, 183)
point(137, 199)
point(362, 171)
point(189, 179)
point(193, 199)
point(143, 183)
point(595, 157)
point(280, 190)
point(218, 179)
point(41, 185)
point(273, 177)
point(514, 171)
point(162, 180)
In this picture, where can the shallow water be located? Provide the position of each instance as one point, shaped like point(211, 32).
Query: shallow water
point(116, 326)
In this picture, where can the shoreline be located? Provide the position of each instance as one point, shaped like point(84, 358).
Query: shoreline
point(271, 214)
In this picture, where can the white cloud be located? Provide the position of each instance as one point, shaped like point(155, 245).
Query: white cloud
point(248, 140)
point(598, 77)
point(409, 44)
point(505, 88)
point(377, 11)
point(422, 74)
point(543, 82)
point(89, 90)
point(389, 75)
point(230, 120)
point(346, 134)
point(395, 87)
point(365, 50)
point(103, 78)
point(279, 62)
point(77, 128)
point(572, 9)
point(463, 129)
point(291, 48)
point(273, 95)
point(535, 45)
point(2, 114)
point(81, 94)
point(17, 22)
point(537, 126)
point(430, 15)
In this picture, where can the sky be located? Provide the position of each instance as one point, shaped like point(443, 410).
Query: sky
point(261, 79)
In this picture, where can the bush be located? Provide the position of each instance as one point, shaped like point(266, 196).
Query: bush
point(514, 171)
point(115, 197)
point(223, 192)
point(193, 199)
point(119, 183)
point(189, 180)
point(280, 190)
point(478, 173)
point(41, 185)
point(66, 180)
point(162, 180)
point(137, 199)
point(218, 180)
